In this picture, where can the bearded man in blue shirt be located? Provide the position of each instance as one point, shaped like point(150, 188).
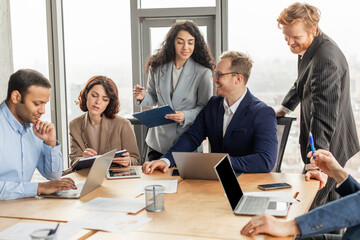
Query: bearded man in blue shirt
point(27, 142)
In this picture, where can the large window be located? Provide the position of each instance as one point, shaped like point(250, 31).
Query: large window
point(253, 29)
point(176, 4)
point(29, 38)
point(97, 42)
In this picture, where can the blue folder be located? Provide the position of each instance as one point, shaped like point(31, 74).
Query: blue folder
point(155, 117)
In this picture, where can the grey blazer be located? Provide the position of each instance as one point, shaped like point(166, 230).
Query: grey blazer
point(323, 88)
point(191, 94)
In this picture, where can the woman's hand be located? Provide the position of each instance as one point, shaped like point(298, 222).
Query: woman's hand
point(124, 160)
point(89, 153)
point(139, 92)
point(178, 117)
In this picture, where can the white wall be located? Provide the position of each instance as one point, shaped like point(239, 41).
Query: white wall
point(6, 60)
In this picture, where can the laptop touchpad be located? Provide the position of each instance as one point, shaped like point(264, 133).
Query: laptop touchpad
point(278, 206)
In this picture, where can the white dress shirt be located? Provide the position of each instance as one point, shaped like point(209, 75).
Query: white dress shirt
point(229, 111)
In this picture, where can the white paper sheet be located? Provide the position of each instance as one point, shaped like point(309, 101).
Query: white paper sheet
point(114, 205)
point(169, 185)
point(23, 230)
point(107, 221)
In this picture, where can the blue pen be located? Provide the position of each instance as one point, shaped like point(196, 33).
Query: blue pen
point(53, 231)
point(312, 144)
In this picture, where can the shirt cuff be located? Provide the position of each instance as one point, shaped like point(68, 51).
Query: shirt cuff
point(54, 153)
point(339, 184)
point(285, 109)
point(48, 148)
point(166, 160)
point(30, 189)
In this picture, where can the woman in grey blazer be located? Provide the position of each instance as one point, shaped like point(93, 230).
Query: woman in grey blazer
point(180, 75)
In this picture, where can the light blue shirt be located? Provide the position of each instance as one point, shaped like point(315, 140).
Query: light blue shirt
point(20, 153)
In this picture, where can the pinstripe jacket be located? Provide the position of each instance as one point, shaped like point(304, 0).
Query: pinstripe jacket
point(323, 88)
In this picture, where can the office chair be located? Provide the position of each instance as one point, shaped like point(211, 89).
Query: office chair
point(143, 147)
point(283, 130)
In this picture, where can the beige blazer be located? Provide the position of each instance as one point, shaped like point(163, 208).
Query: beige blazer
point(115, 133)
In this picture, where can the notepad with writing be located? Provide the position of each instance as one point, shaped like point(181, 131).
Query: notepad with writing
point(155, 117)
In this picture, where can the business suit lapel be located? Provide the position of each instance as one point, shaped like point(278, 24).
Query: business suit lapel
point(220, 119)
point(84, 133)
point(304, 62)
point(164, 87)
point(238, 116)
point(105, 132)
point(184, 83)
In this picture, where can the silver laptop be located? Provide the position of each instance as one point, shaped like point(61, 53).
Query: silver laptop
point(94, 179)
point(197, 165)
point(242, 204)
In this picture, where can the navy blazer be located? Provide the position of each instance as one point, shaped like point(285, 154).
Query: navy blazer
point(250, 138)
point(338, 214)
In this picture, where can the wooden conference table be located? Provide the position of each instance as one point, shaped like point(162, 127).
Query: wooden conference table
point(199, 209)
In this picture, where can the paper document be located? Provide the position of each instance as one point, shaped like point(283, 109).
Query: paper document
point(280, 196)
point(169, 185)
point(114, 205)
point(23, 230)
point(108, 221)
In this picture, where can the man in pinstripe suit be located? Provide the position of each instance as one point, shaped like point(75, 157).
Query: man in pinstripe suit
point(322, 88)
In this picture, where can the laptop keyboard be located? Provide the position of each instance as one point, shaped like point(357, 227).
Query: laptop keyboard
point(254, 205)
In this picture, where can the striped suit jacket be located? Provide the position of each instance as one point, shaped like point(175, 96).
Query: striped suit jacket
point(323, 88)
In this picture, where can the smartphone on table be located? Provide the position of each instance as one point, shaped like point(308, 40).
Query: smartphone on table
point(273, 186)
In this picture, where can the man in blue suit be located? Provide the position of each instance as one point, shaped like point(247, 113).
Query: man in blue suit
point(235, 122)
point(333, 216)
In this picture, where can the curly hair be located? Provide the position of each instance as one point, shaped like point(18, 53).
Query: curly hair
point(166, 53)
point(111, 90)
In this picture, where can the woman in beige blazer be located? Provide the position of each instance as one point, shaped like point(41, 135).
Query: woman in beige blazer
point(100, 130)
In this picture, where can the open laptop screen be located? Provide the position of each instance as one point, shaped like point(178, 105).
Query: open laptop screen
point(229, 182)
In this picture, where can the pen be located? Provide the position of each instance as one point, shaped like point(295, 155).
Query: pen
point(53, 231)
point(295, 196)
point(312, 144)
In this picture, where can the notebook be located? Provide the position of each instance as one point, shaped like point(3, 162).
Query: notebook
point(197, 165)
point(155, 116)
point(243, 204)
point(88, 162)
point(94, 179)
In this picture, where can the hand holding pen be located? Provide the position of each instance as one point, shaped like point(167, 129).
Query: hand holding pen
point(89, 152)
point(309, 166)
point(139, 92)
point(312, 145)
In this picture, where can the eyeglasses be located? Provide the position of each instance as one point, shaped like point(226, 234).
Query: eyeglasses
point(219, 75)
